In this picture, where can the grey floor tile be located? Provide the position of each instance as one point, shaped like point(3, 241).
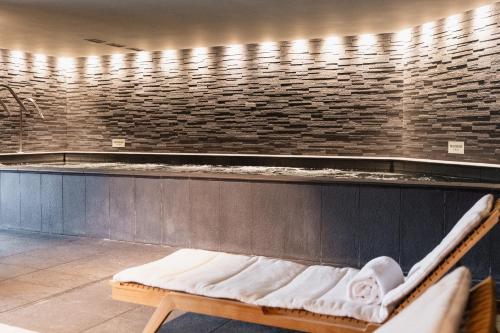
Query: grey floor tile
point(73, 294)
point(9, 303)
point(53, 278)
point(74, 311)
point(38, 260)
point(10, 271)
point(132, 321)
point(25, 290)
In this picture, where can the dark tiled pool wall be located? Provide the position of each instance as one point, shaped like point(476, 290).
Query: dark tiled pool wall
point(395, 98)
point(339, 224)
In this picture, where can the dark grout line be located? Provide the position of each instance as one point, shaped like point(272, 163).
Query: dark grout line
point(56, 294)
point(109, 319)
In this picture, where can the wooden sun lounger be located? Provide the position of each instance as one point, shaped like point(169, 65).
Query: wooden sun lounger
point(166, 301)
point(480, 314)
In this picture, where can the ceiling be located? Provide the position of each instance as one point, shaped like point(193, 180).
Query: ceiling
point(60, 27)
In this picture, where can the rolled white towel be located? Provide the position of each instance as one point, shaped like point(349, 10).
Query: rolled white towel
point(374, 280)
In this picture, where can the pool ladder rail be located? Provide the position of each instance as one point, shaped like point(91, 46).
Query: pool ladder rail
point(22, 108)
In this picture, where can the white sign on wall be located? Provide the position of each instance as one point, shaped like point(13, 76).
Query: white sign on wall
point(118, 143)
point(456, 147)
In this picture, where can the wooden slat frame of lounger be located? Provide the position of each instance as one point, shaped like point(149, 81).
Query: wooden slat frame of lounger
point(480, 314)
point(166, 301)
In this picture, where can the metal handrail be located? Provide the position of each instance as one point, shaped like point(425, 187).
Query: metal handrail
point(22, 108)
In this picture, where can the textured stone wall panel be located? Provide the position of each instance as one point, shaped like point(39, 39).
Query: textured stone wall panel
point(393, 98)
point(35, 77)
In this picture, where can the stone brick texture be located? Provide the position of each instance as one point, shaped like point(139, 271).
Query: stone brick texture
point(402, 96)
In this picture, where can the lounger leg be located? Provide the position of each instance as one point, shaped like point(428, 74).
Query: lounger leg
point(159, 316)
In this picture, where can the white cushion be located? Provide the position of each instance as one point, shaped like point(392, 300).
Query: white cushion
point(255, 280)
point(438, 310)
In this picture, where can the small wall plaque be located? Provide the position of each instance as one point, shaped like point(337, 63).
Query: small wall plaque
point(456, 147)
point(118, 143)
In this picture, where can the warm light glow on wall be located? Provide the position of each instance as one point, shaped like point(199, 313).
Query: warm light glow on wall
point(299, 46)
point(404, 35)
point(40, 58)
point(17, 55)
point(234, 55)
point(17, 60)
point(268, 52)
point(65, 63)
point(234, 49)
point(93, 61)
point(117, 61)
point(367, 40)
point(169, 54)
point(40, 63)
point(482, 11)
point(143, 61)
point(331, 43)
point(452, 28)
point(200, 52)
point(427, 32)
point(452, 23)
point(200, 59)
point(66, 67)
point(93, 64)
point(169, 60)
point(332, 46)
point(268, 46)
point(143, 57)
point(482, 18)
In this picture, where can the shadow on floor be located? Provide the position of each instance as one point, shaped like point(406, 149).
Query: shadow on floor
point(196, 323)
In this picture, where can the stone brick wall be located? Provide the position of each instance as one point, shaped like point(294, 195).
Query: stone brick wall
point(36, 77)
point(451, 88)
point(388, 95)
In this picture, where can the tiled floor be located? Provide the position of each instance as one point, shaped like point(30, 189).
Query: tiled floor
point(60, 284)
point(56, 284)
